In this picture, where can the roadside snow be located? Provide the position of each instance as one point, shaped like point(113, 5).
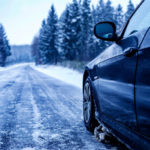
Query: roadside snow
point(14, 66)
point(67, 75)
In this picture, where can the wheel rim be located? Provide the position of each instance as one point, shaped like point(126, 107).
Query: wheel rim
point(87, 102)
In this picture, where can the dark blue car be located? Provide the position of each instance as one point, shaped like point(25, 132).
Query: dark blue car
point(116, 84)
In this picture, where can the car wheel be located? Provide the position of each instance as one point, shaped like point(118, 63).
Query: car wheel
point(89, 107)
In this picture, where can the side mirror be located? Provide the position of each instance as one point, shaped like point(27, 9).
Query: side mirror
point(105, 31)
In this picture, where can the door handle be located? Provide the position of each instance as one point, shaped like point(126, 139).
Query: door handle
point(129, 52)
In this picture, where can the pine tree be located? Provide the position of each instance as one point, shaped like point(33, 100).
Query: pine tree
point(48, 42)
point(75, 16)
point(66, 34)
point(52, 21)
point(108, 12)
point(119, 18)
point(43, 42)
point(4, 46)
point(130, 10)
point(71, 32)
point(95, 15)
point(100, 11)
point(87, 30)
point(35, 50)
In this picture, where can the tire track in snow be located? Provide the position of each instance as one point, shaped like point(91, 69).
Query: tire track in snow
point(37, 121)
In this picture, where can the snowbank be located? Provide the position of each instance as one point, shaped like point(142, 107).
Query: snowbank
point(67, 75)
point(64, 74)
point(14, 66)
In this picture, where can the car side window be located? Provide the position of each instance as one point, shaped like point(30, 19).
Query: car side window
point(146, 43)
point(140, 20)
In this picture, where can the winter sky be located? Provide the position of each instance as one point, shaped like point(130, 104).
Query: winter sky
point(22, 18)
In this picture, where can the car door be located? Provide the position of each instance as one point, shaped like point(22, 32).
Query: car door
point(143, 87)
point(117, 73)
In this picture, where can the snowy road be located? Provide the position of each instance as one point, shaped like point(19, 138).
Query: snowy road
point(38, 112)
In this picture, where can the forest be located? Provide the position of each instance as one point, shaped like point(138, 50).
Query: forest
point(70, 37)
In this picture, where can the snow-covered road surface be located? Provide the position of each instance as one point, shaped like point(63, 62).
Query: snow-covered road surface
point(38, 112)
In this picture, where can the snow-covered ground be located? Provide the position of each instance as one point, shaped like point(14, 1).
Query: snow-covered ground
point(67, 75)
point(64, 74)
point(14, 66)
point(39, 112)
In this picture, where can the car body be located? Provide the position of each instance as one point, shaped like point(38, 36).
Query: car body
point(116, 84)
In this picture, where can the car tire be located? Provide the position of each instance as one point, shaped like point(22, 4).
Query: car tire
point(89, 107)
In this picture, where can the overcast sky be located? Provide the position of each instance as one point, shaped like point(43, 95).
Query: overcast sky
point(22, 18)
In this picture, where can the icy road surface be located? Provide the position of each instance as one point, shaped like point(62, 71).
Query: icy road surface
point(38, 112)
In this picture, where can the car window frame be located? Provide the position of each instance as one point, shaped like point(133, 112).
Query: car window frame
point(126, 25)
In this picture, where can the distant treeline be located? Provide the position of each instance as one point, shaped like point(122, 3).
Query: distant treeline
point(20, 53)
point(71, 37)
point(4, 46)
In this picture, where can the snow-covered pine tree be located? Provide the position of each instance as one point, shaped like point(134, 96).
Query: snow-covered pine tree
point(130, 10)
point(119, 21)
point(35, 50)
point(96, 42)
point(70, 38)
point(66, 30)
point(43, 42)
point(48, 40)
point(87, 30)
point(94, 14)
point(108, 12)
point(4, 46)
point(100, 11)
point(76, 41)
point(52, 21)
